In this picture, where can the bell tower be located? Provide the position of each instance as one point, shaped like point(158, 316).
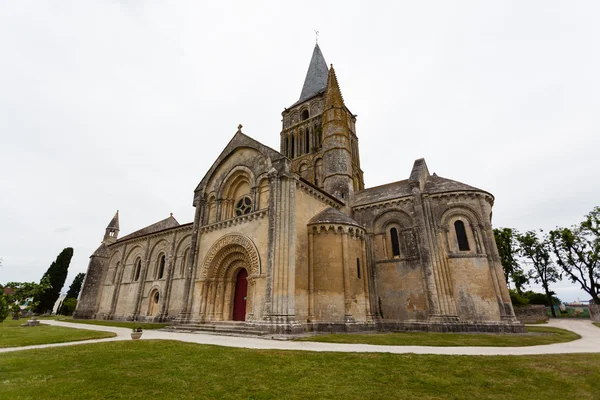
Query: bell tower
point(310, 136)
point(112, 230)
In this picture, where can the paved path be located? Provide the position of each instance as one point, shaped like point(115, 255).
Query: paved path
point(589, 342)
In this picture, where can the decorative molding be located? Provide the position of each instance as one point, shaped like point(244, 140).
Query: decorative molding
point(317, 194)
point(351, 230)
point(470, 255)
point(242, 219)
point(228, 250)
point(164, 232)
point(395, 260)
point(385, 204)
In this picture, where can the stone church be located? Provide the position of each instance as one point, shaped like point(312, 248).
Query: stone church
point(291, 240)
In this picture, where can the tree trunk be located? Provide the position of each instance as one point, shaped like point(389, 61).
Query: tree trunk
point(549, 296)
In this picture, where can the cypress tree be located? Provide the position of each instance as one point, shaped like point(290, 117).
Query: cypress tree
point(75, 286)
point(57, 273)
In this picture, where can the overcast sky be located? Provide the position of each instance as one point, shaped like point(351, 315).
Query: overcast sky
point(108, 105)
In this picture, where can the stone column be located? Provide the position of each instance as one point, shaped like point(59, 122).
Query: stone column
point(281, 254)
point(425, 253)
point(440, 266)
point(172, 257)
point(506, 310)
point(311, 275)
point(365, 275)
point(193, 261)
point(117, 283)
point(220, 292)
point(346, 276)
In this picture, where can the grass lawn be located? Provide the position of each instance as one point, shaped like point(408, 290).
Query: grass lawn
point(122, 324)
point(169, 369)
point(538, 335)
point(597, 324)
point(12, 334)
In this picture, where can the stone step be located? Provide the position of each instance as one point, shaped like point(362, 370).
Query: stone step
point(221, 327)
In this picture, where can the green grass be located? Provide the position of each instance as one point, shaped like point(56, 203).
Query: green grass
point(121, 324)
point(537, 335)
point(169, 369)
point(597, 324)
point(12, 334)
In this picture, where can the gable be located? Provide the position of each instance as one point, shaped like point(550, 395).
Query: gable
point(241, 151)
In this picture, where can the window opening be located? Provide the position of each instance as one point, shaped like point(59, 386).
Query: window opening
point(304, 115)
point(307, 141)
point(358, 267)
point(243, 206)
point(138, 268)
point(161, 268)
point(293, 152)
point(395, 242)
point(156, 297)
point(461, 236)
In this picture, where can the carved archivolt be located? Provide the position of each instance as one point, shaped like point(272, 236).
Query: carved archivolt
point(227, 250)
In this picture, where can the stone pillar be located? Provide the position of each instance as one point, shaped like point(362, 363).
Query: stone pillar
point(346, 275)
point(425, 253)
point(117, 282)
point(172, 257)
point(282, 247)
point(365, 276)
point(506, 309)
point(227, 306)
point(220, 292)
point(193, 261)
point(311, 275)
point(440, 266)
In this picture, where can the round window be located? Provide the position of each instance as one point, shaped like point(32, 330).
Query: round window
point(243, 206)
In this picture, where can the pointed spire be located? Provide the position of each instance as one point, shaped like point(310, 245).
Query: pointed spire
point(114, 223)
point(316, 76)
point(333, 96)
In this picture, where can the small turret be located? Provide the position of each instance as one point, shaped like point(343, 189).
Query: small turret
point(112, 230)
point(337, 148)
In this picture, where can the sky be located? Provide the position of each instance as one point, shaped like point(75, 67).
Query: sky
point(124, 105)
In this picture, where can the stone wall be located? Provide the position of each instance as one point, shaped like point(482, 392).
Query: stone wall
point(531, 313)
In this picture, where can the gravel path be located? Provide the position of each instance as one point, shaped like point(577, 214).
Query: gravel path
point(589, 342)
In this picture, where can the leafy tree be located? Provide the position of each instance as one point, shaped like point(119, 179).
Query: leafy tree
point(18, 293)
point(544, 271)
point(57, 273)
point(508, 250)
point(75, 287)
point(577, 251)
point(68, 306)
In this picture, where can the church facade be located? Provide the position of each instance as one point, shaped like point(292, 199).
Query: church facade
point(290, 241)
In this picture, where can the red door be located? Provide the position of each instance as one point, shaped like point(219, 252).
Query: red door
point(241, 291)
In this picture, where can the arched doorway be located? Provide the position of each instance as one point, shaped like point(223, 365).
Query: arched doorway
point(241, 293)
point(153, 306)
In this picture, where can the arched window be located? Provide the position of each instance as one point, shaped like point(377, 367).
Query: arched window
point(319, 172)
point(137, 269)
point(304, 115)
point(292, 152)
point(358, 268)
point(395, 242)
point(186, 256)
point(461, 236)
point(161, 267)
point(287, 146)
point(114, 273)
point(307, 141)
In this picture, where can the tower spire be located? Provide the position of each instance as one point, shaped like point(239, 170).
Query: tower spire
point(316, 76)
point(333, 95)
point(112, 230)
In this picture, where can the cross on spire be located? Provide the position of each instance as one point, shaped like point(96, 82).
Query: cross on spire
point(240, 126)
point(316, 36)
